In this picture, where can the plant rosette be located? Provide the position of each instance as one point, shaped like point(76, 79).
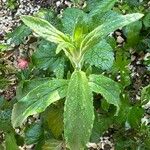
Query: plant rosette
point(83, 42)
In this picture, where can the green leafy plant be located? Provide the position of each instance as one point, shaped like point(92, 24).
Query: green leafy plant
point(83, 40)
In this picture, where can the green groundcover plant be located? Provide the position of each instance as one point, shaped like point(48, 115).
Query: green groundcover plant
point(83, 42)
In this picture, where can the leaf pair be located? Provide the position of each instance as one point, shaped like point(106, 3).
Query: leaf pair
point(76, 45)
point(78, 111)
point(103, 30)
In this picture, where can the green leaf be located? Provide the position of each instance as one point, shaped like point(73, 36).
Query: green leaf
point(101, 125)
point(11, 4)
point(44, 29)
point(100, 6)
point(101, 56)
point(121, 65)
point(19, 34)
point(37, 100)
point(51, 16)
point(53, 118)
point(146, 20)
point(135, 115)
point(33, 133)
point(128, 113)
point(46, 14)
point(103, 30)
point(121, 119)
point(10, 142)
point(80, 29)
point(26, 86)
point(70, 17)
point(59, 69)
point(108, 88)
point(46, 58)
point(64, 46)
point(105, 105)
point(145, 95)
point(94, 20)
point(133, 33)
point(78, 112)
point(105, 17)
point(52, 145)
point(133, 2)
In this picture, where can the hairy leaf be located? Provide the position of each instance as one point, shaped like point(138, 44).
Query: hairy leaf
point(64, 46)
point(45, 56)
point(103, 30)
point(80, 29)
point(94, 20)
point(38, 100)
point(26, 86)
point(100, 7)
point(105, 17)
point(44, 29)
point(70, 16)
point(101, 56)
point(59, 69)
point(108, 88)
point(78, 112)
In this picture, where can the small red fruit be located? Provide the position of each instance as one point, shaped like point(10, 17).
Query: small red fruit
point(22, 64)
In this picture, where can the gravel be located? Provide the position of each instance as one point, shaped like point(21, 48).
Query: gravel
point(9, 19)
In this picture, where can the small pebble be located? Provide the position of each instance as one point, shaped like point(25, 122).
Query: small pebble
point(120, 40)
point(118, 33)
point(92, 145)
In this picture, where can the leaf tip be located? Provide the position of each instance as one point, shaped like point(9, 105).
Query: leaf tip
point(139, 15)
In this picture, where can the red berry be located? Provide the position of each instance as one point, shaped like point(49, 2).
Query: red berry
point(22, 63)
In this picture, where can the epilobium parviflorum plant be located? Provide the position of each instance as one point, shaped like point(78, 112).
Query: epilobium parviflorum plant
point(82, 40)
